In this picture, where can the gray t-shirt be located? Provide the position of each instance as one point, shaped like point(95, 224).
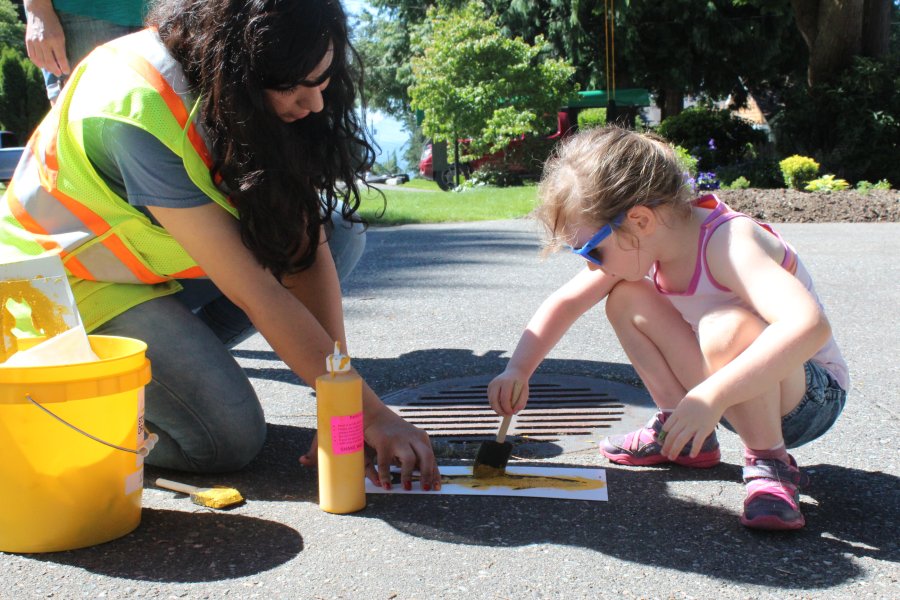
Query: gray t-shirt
point(138, 167)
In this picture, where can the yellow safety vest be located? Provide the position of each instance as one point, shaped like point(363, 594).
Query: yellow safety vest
point(57, 202)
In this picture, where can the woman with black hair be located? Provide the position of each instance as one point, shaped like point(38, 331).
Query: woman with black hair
point(198, 180)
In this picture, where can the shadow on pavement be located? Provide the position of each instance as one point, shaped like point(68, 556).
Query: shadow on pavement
point(184, 547)
point(274, 475)
point(426, 366)
point(644, 523)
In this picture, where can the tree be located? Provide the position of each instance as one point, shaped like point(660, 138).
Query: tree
point(836, 31)
point(471, 81)
point(388, 166)
point(674, 48)
point(12, 30)
point(23, 100)
point(386, 41)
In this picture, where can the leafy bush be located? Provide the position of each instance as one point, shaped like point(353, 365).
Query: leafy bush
point(798, 171)
point(688, 161)
point(852, 126)
point(715, 137)
point(23, 98)
point(864, 187)
point(762, 172)
point(591, 117)
point(741, 183)
point(12, 30)
point(826, 183)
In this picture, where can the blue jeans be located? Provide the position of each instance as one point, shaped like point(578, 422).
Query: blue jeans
point(200, 402)
point(83, 34)
point(818, 410)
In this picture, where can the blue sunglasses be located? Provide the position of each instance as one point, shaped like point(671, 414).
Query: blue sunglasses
point(589, 250)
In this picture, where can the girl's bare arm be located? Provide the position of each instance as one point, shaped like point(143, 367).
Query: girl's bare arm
point(550, 322)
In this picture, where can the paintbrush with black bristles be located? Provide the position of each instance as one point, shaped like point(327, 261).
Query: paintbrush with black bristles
point(493, 455)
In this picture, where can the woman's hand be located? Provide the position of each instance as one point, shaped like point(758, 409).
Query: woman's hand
point(502, 392)
point(398, 442)
point(311, 458)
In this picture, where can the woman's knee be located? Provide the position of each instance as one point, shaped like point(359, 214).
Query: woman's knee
point(202, 448)
point(347, 241)
point(207, 425)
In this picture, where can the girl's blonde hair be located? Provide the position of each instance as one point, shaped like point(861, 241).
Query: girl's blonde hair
point(600, 173)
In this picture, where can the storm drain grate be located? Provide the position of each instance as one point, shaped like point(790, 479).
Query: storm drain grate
point(558, 406)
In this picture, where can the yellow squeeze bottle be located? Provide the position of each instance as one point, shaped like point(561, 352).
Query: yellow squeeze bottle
point(340, 422)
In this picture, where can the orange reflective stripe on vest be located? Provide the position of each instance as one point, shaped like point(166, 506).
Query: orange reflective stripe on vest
point(156, 80)
point(42, 237)
point(91, 220)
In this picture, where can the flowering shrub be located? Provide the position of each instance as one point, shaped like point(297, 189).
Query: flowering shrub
point(715, 137)
point(706, 181)
point(798, 171)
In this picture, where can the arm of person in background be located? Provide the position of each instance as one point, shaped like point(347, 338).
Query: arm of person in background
point(45, 39)
point(551, 321)
point(301, 322)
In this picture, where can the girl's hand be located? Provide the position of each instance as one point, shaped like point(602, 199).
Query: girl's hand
point(397, 442)
point(501, 393)
point(693, 419)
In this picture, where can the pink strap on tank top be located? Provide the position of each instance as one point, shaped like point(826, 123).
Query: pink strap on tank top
point(712, 222)
point(721, 213)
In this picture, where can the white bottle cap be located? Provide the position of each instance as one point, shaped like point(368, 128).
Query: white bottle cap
point(337, 362)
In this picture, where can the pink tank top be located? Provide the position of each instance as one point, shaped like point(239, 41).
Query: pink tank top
point(705, 294)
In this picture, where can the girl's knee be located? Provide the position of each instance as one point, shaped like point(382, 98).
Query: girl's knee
point(727, 332)
point(624, 297)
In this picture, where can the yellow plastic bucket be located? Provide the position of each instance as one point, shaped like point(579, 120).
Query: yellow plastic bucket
point(59, 488)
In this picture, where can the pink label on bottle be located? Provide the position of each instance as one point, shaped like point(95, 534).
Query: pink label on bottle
point(347, 434)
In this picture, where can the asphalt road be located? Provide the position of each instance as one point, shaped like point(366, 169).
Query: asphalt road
point(429, 303)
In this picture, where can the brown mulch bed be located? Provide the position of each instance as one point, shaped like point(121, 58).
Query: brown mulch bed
point(792, 206)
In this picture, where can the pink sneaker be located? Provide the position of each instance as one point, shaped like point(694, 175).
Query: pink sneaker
point(773, 496)
point(641, 448)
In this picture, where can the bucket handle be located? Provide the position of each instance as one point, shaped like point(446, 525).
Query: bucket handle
point(144, 450)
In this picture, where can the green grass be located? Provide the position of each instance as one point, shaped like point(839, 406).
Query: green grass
point(421, 184)
point(420, 201)
point(415, 204)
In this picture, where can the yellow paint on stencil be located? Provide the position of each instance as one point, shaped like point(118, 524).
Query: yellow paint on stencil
point(526, 482)
point(46, 315)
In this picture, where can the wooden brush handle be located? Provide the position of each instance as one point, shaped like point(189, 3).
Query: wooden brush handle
point(177, 487)
point(504, 424)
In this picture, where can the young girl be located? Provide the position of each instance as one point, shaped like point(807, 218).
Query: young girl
point(714, 310)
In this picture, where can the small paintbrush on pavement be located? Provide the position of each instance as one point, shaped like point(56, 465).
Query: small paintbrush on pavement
point(493, 455)
point(218, 497)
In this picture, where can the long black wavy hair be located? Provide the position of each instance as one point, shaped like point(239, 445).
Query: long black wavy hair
point(284, 178)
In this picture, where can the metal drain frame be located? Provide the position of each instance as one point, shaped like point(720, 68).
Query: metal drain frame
point(565, 413)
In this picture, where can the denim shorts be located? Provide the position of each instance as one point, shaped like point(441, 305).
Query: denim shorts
point(818, 410)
